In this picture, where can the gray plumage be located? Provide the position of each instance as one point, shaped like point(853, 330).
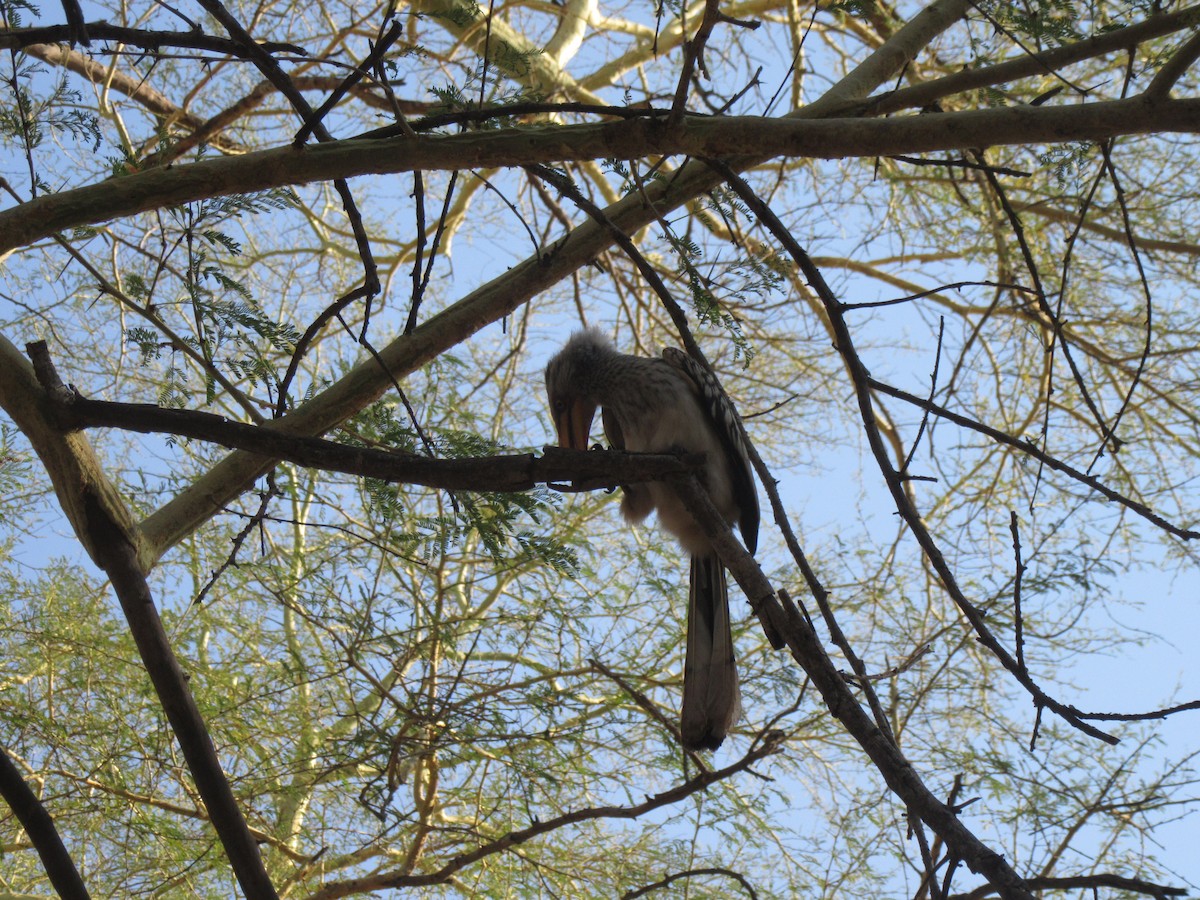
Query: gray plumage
point(668, 404)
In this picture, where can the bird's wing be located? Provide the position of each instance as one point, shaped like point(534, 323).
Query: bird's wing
point(636, 500)
point(729, 429)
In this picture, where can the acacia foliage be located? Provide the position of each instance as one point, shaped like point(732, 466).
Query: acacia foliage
point(972, 372)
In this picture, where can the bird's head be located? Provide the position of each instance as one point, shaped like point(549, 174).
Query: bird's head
point(571, 384)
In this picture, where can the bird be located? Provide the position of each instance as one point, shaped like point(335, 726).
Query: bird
point(670, 404)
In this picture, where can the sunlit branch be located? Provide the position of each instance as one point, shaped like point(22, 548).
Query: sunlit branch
point(1175, 68)
point(442, 875)
point(1028, 65)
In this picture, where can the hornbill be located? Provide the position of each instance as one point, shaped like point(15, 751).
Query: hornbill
point(670, 404)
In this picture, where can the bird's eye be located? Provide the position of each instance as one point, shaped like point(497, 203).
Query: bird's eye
point(560, 405)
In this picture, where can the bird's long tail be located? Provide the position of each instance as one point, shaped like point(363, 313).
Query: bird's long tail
point(711, 699)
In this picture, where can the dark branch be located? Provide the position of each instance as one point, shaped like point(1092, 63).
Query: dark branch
point(692, 873)
point(590, 470)
point(1086, 883)
point(807, 650)
point(1032, 450)
point(38, 824)
point(274, 73)
point(138, 37)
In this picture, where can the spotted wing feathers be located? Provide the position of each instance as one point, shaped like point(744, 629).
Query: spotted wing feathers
point(733, 438)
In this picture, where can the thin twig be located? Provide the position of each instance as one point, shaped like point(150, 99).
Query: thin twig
point(1018, 575)
point(142, 37)
point(271, 69)
point(1059, 339)
point(933, 377)
point(252, 522)
point(939, 289)
point(1030, 449)
point(377, 881)
point(959, 164)
point(514, 472)
point(331, 312)
point(668, 880)
point(411, 324)
point(380, 47)
point(1127, 224)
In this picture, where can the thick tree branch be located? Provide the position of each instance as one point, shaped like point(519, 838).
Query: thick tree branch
point(69, 459)
point(736, 136)
point(104, 526)
point(38, 824)
point(1175, 68)
point(925, 93)
point(117, 557)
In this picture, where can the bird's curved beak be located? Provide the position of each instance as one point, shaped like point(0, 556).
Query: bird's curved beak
point(574, 424)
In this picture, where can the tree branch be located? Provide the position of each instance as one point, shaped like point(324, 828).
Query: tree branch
point(749, 137)
point(589, 469)
point(905, 506)
point(1026, 65)
point(20, 38)
point(38, 824)
point(1032, 450)
point(105, 528)
point(271, 69)
point(1086, 883)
